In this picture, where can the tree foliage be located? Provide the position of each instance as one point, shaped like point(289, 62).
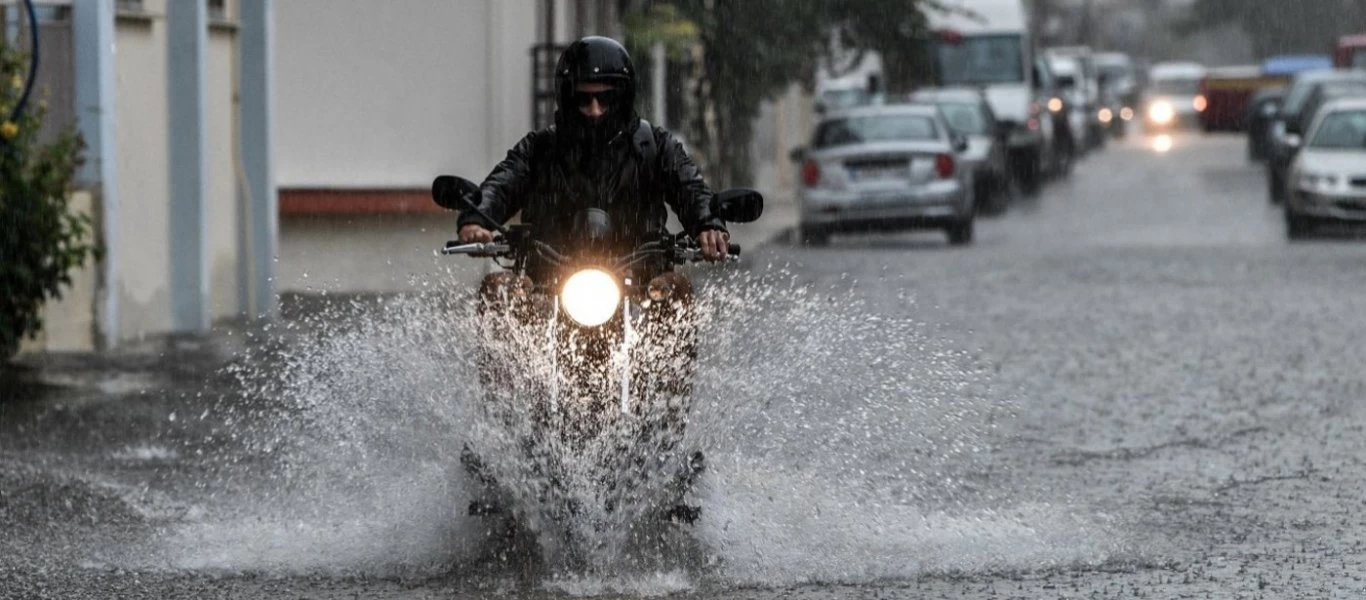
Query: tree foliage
point(1303, 26)
point(41, 239)
point(746, 52)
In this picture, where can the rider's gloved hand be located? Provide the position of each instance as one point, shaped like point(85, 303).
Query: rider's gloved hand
point(715, 244)
point(475, 234)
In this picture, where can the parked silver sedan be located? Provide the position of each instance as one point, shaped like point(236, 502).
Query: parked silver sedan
point(887, 167)
point(968, 113)
point(1328, 176)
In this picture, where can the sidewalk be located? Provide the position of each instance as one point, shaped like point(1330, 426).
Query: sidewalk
point(780, 216)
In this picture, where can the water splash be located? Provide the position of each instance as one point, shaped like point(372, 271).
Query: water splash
point(844, 443)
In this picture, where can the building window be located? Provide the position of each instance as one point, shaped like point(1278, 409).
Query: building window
point(218, 10)
point(128, 5)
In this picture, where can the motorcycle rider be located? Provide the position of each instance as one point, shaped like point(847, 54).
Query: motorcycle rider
point(597, 154)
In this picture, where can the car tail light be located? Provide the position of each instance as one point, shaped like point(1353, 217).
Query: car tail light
point(1200, 104)
point(951, 37)
point(944, 165)
point(811, 173)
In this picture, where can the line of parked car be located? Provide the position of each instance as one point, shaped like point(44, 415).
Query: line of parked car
point(1310, 131)
point(1001, 121)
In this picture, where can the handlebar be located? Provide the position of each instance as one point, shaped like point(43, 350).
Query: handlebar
point(477, 250)
point(502, 249)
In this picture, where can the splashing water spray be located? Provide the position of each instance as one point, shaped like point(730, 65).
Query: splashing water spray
point(842, 445)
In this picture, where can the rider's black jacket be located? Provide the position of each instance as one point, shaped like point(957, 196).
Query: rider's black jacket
point(550, 178)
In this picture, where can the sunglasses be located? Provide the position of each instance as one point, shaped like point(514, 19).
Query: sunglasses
point(605, 98)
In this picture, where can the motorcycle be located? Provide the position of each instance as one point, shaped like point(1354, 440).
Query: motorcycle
point(587, 364)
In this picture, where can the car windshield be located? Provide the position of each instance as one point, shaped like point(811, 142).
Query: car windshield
point(981, 59)
point(1115, 71)
point(1176, 87)
point(1300, 92)
point(1114, 75)
point(844, 98)
point(1343, 130)
point(964, 117)
point(875, 128)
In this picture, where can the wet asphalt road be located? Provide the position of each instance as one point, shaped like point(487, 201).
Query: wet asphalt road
point(1132, 386)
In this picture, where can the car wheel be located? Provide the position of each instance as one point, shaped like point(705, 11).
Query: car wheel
point(1066, 157)
point(812, 236)
point(1029, 176)
point(991, 195)
point(960, 234)
point(1297, 227)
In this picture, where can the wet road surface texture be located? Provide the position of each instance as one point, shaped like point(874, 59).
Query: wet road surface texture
point(1130, 386)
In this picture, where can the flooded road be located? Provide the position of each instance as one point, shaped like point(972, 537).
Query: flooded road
point(1130, 386)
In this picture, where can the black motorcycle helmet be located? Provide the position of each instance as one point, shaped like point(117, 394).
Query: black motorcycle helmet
point(595, 59)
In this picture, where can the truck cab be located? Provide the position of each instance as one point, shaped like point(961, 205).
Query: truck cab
point(1350, 52)
point(993, 50)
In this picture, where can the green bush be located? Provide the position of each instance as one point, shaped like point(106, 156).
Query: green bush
point(41, 239)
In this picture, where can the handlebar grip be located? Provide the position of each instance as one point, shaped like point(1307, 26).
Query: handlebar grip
point(475, 250)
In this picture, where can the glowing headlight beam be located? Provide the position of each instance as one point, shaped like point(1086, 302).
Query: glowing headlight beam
point(1162, 144)
point(1161, 113)
point(590, 297)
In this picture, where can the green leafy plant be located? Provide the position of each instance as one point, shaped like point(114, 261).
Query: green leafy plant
point(41, 239)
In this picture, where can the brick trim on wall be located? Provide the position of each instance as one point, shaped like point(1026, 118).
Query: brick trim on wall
point(318, 201)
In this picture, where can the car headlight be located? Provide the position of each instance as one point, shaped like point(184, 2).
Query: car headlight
point(1126, 113)
point(1105, 115)
point(1161, 112)
point(1315, 182)
point(590, 297)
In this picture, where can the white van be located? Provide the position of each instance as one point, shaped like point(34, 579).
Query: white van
point(988, 44)
point(1173, 98)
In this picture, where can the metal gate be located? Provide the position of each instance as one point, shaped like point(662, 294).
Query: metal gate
point(543, 57)
point(55, 85)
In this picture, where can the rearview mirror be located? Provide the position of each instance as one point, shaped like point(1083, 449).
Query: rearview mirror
point(454, 193)
point(738, 205)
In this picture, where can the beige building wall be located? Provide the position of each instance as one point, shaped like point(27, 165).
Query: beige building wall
point(142, 128)
point(143, 146)
point(388, 95)
point(69, 322)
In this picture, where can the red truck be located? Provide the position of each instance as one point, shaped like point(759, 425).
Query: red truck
point(1350, 52)
point(1224, 94)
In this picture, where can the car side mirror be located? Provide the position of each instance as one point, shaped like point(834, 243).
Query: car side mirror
point(797, 154)
point(738, 205)
point(960, 144)
point(454, 193)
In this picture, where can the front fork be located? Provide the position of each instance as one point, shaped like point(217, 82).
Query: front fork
point(621, 357)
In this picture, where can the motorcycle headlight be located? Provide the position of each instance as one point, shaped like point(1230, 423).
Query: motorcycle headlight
point(590, 297)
